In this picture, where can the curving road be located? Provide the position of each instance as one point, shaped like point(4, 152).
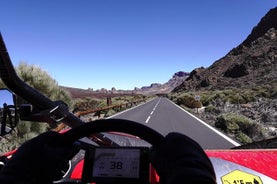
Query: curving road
point(164, 116)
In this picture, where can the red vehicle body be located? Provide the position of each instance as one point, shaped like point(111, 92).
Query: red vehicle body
point(238, 166)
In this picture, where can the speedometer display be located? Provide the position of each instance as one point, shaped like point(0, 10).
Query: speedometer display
point(125, 165)
point(116, 163)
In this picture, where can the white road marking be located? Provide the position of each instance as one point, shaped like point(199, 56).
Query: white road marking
point(148, 118)
point(127, 110)
point(209, 126)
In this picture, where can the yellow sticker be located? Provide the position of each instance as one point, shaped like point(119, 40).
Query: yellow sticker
point(240, 177)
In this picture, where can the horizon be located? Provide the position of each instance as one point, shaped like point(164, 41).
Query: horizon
point(125, 44)
point(121, 89)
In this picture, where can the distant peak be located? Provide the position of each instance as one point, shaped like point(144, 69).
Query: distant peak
point(181, 74)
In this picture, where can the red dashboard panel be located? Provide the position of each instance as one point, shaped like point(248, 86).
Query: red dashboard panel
point(263, 161)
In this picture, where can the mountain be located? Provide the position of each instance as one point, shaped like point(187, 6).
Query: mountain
point(154, 88)
point(253, 63)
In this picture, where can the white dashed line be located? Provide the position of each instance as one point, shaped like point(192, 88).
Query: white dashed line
point(148, 118)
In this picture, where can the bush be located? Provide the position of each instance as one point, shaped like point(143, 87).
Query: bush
point(273, 92)
point(188, 101)
point(243, 138)
point(236, 99)
point(41, 81)
point(110, 112)
point(248, 96)
point(239, 125)
point(86, 104)
point(227, 124)
point(212, 109)
point(206, 99)
point(173, 97)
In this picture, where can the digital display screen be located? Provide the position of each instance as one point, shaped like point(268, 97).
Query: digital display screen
point(116, 163)
point(125, 165)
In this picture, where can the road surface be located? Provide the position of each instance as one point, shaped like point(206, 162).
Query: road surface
point(164, 116)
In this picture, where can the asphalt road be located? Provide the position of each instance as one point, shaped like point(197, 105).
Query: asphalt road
point(164, 116)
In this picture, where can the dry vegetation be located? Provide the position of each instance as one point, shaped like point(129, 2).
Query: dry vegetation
point(247, 114)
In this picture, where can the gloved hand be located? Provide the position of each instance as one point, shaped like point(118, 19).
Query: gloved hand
point(39, 160)
point(180, 159)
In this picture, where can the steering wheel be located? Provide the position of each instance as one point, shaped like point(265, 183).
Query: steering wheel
point(117, 125)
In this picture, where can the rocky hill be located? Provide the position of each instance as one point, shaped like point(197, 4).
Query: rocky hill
point(241, 86)
point(155, 88)
point(253, 63)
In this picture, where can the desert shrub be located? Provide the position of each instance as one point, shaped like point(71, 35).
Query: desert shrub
point(226, 123)
point(180, 100)
point(248, 96)
point(122, 100)
point(262, 92)
point(8, 143)
point(220, 94)
point(110, 112)
point(82, 104)
point(173, 97)
point(273, 92)
point(257, 132)
point(188, 101)
point(206, 99)
point(236, 98)
point(245, 124)
point(27, 129)
point(239, 125)
point(217, 95)
point(43, 82)
point(227, 92)
point(210, 97)
point(243, 138)
point(212, 109)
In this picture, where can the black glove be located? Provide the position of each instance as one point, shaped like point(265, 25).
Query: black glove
point(39, 160)
point(180, 159)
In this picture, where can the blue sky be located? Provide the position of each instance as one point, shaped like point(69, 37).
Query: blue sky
point(124, 43)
